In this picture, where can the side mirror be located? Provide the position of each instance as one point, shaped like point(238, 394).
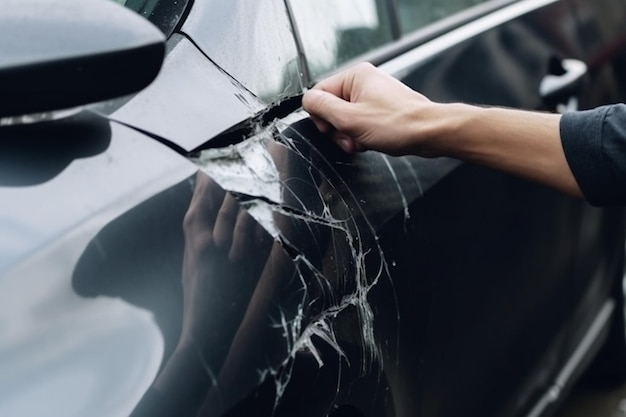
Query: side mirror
point(59, 54)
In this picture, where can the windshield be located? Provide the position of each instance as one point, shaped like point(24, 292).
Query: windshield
point(165, 14)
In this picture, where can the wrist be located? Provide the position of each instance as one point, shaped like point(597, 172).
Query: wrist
point(440, 129)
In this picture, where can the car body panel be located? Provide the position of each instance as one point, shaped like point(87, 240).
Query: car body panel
point(179, 105)
point(602, 37)
point(514, 57)
point(278, 276)
point(56, 343)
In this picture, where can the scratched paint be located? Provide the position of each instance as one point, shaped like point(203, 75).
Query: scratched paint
point(313, 296)
point(266, 174)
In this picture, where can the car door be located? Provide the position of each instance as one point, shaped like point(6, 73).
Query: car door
point(498, 280)
point(404, 286)
point(245, 266)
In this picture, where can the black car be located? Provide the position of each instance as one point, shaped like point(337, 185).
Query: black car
point(190, 244)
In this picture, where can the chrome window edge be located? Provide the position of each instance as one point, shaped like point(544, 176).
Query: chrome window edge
point(404, 63)
point(584, 350)
point(303, 63)
point(407, 42)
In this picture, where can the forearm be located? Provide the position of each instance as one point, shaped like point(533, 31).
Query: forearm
point(363, 108)
point(526, 144)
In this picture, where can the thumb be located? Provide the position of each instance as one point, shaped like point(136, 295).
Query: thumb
point(325, 107)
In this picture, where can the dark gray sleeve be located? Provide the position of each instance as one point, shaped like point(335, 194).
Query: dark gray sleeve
point(594, 142)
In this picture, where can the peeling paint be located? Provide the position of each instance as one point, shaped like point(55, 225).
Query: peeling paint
point(257, 172)
point(245, 168)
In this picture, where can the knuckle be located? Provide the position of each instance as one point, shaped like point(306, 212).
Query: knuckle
point(364, 66)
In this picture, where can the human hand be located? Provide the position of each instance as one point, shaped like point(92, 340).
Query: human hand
point(364, 108)
point(225, 252)
point(215, 222)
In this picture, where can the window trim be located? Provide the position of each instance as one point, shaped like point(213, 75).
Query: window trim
point(303, 63)
point(394, 19)
point(510, 10)
point(408, 42)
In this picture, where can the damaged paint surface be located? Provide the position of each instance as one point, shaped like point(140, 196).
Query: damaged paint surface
point(299, 206)
point(308, 296)
point(273, 277)
point(258, 270)
point(255, 273)
point(278, 276)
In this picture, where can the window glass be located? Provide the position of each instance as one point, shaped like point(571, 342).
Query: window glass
point(334, 31)
point(415, 14)
point(165, 14)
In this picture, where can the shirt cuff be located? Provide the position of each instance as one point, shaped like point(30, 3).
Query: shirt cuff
point(594, 142)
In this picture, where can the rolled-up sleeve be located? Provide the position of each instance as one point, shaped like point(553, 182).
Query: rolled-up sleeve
point(594, 142)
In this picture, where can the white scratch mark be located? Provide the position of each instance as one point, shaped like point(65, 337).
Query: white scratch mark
point(249, 170)
point(413, 174)
point(407, 214)
point(245, 168)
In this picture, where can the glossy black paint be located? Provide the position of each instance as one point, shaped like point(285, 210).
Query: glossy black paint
point(167, 15)
point(57, 343)
point(179, 105)
point(506, 67)
point(28, 157)
point(280, 277)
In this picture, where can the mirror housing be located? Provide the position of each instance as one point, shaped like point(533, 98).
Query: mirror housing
point(58, 54)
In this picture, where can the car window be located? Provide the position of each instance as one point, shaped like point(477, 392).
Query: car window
point(415, 14)
point(165, 14)
point(333, 32)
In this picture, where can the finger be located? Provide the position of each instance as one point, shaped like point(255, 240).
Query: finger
point(327, 107)
point(335, 85)
point(345, 143)
point(322, 125)
point(206, 200)
point(346, 84)
point(199, 219)
point(225, 222)
point(243, 237)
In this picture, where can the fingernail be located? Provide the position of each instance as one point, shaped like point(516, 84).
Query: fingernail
point(345, 145)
